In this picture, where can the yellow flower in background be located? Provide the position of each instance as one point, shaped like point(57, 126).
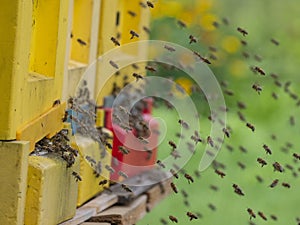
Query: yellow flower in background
point(207, 20)
point(166, 9)
point(231, 44)
point(238, 68)
point(203, 6)
point(184, 83)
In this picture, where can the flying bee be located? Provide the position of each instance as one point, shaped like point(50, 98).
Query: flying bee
point(292, 121)
point(278, 167)
point(183, 124)
point(257, 88)
point(226, 132)
point(274, 183)
point(184, 194)
point(150, 4)
point(109, 168)
point(174, 188)
point(225, 21)
point(229, 92)
point(196, 138)
point(186, 203)
point(215, 24)
point(131, 13)
point(133, 34)
point(242, 31)
point(181, 23)
point(274, 95)
point(103, 182)
point(172, 171)
point(241, 105)
point(241, 165)
point(150, 68)
point(259, 59)
point(161, 164)
point(250, 126)
point(259, 70)
point(122, 174)
point(143, 140)
point(126, 188)
point(98, 169)
point(76, 176)
point(192, 39)
point(262, 215)
point(172, 144)
point(81, 42)
point(243, 149)
point(175, 154)
point(286, 185)
point(296, 156)
point(243, 42)
point(238, 190)
point(212, 207)
point(173, 219)
point(113, 64)
point(169, 48)
point(189, 178)
point(278, 83)
point(246, 55)
point(229, 148)
point(274, 41)
point(191, 216)
point(137, 76)
point(210, 141)
point(267, 149)
point(213, 187)
point(273, 217)
point(251, 213)
point(124, 150)
point(220, 173)
point(146, 29)
point(115, 41)
point(259, 178)
point(261, 161)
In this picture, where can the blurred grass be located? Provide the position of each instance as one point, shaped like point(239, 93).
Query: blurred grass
point(263, 20)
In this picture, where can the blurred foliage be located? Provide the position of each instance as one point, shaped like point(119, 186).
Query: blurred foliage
point(263, 20)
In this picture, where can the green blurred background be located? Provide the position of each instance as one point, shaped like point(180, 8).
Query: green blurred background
point(263, 19)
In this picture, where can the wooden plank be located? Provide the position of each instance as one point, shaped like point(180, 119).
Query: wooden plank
point(138, 184)
point(123, 215)
point(91, 223)
point(157, 193)
point(102, 202)
point(82, 214)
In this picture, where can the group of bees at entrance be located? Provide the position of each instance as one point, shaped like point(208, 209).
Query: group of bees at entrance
point(194, 139)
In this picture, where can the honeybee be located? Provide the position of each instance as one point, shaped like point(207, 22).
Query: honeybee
point(56, 103)
point(215, 24)
point(273, 217)
point(243, 149)
point(259, 178)
point(174, 188)
point(150, 68)
point(183, 124)
point(229, 148)
point(172, 144)
point(241, 105)
point(169, 48)
point(205, 60)
point(181, 23)
point(115, 41)
point(191, 216)
point(257, 88)
point(249, 125)
point(184, 193)
point(123, 150)
point(122, 174)
point(226, 132)
point(242, 31)
point(189, 178)
point(192, 39)
point(274, 95)
point(172, 171)
point(220, 173)
point(175, 154)
point(131, 13)
point(210, 141)
point(146, 29)
point(196, 138)
point(262, 215)
point(296, 156)
point(287, 185)
point(213, 187)
point(160, 163)
point(81, 42)
point(251, 213)
point(113, 64)
point(259, 70)
point(173, 219)
point(133, 34)
point(109, 168)
point(261, 161)
point(246, 55)
point(274, 183)
point(241, 165)
point(137, 76)
point(225, 21)
point(76, 176)
point(212, 207)
point(241, 116)
point(126, 188)
point(229, 92)
point(238, 190)
point(103, 182)
point(278, 167)
point(274, 41)
point(243, 42)
point(259, 59)
point(150, 4)
point(267, 149)
point(98, 169)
